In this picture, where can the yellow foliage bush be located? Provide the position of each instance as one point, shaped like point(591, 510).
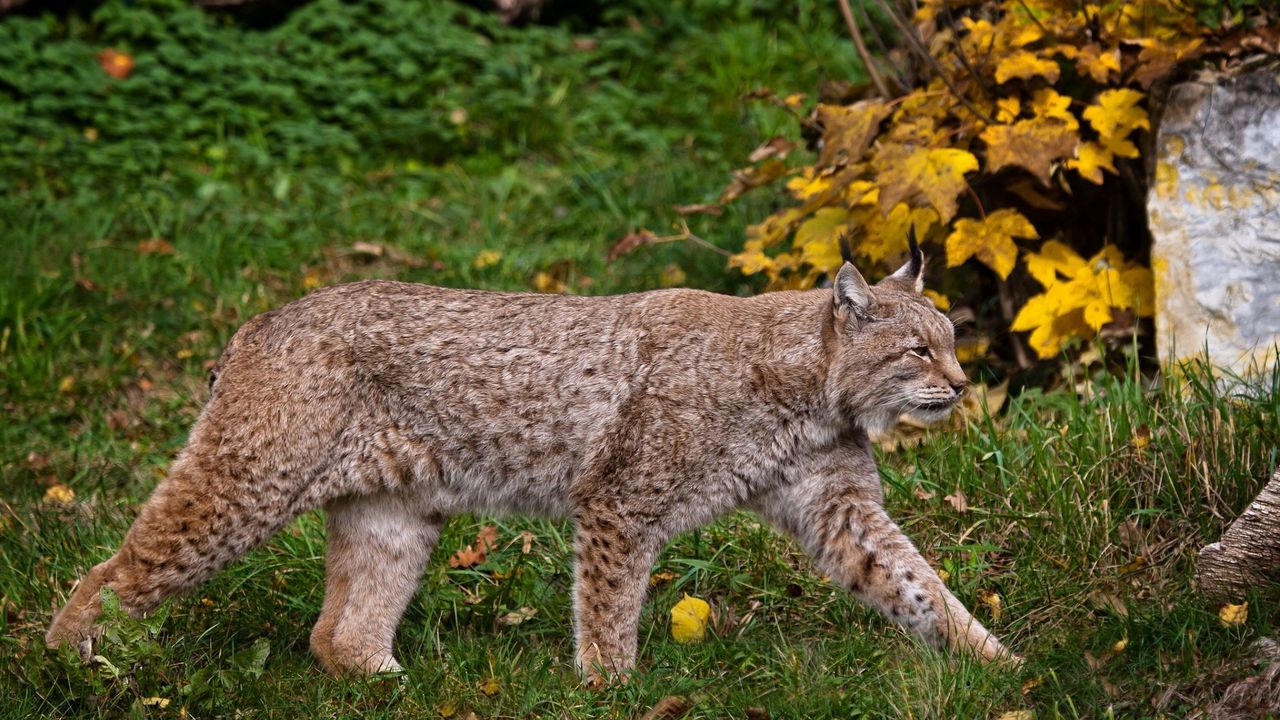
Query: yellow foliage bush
point(1028, 107)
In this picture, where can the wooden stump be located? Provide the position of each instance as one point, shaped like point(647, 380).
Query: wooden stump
point(1247, 558)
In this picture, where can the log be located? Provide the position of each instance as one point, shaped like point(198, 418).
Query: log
point(1247, 558)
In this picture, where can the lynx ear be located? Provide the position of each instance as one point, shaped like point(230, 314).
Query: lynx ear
point(852, 294)
point(911, 273)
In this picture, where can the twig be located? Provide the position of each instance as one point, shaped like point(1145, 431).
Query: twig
point(901, 75)
point(1006, 309)
point(909, 35)
point(956, 50)
point(861, 47)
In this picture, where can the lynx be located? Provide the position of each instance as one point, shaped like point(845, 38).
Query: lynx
point(395, 406)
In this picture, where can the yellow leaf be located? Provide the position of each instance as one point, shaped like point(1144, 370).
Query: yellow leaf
point(1090, 160)
point(185, 353)
point(1053, 258)
point(156, 701)
point(59, 494)
point(849, 129)
point(311, 280)
point(66, 384)
point(993, 603)
point(752, 259)
point(1024, 65)
point(491, 686)
point(1018, 715)
point(1120, 645)
point(808, 184)
point(1031, 684)
point(989, 240)
point(936, 173)
point(886, 236)
point(1116, 114)
point(1007, 109)
point(818, 238)
point(1033, 144)
point(794, 99)
point(1047, 103)
point(1098, 63)
point(1231, 615)
point(546, 283)
point(447, 709)
point(939, 300)
point(689, 619)
point(672, 276)
point(486, 258)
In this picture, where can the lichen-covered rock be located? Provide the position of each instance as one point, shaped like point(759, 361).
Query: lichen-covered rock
point(1214, 211)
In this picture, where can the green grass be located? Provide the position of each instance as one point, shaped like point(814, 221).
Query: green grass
point(103, 354)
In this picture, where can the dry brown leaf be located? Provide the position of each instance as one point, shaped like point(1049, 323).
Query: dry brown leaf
point(476, 552)
point(517, 616)
point(671, 707)
point(958, 501)
point(747, 178)
point(849, 130)
point(155, 246)
point(629, 242)
point(1034, 145)
point(923, 494)
point(776, 146)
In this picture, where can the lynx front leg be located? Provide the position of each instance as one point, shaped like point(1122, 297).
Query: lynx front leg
point(843, 526)
point(612, 560)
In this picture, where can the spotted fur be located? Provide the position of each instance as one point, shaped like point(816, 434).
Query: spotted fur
point(395, 406)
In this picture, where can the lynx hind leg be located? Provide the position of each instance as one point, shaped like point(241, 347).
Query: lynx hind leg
point(378, 547)
point(853, 541)
point(613, 556)
point(198, 520)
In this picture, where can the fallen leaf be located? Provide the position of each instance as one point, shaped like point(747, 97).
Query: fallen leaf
point(526, 542)
point(747, 178)
point(447, 709)
point(776, 146)
point(689, 619)
point(672, 276)
point(59, 494)
point(629, 242)
point(1031, 684)
point(490, 686)
point(1120, 645)
point(1141, 437)
point(155, 246)
point(115, 63)
point(923, 494)
point(1018, 715)
point(849, 130)
point(66, 384)
point(545, 282)
point(661, 577)
point(1231, 615)
point(993, 603)
point(156, 701)
point(958, 501)
point(486, 258)
point(1133, 566)
point(517, 616)
point(477, 551)
point(361, 247)
point(671, 707)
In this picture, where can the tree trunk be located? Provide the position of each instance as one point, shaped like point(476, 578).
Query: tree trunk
point(1247, 557)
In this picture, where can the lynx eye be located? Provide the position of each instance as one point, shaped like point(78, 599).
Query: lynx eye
point(922, 351)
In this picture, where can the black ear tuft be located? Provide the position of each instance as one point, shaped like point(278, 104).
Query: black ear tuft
point(916, 264)
point(846, 248)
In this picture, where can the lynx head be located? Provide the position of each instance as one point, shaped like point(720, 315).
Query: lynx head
point(894, 353)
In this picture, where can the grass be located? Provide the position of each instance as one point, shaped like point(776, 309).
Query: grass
point(103, 352)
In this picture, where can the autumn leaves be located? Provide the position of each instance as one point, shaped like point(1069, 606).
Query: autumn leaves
point(1027, 104)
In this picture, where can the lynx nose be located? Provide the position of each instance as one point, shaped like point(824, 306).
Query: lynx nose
point(958, 387)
